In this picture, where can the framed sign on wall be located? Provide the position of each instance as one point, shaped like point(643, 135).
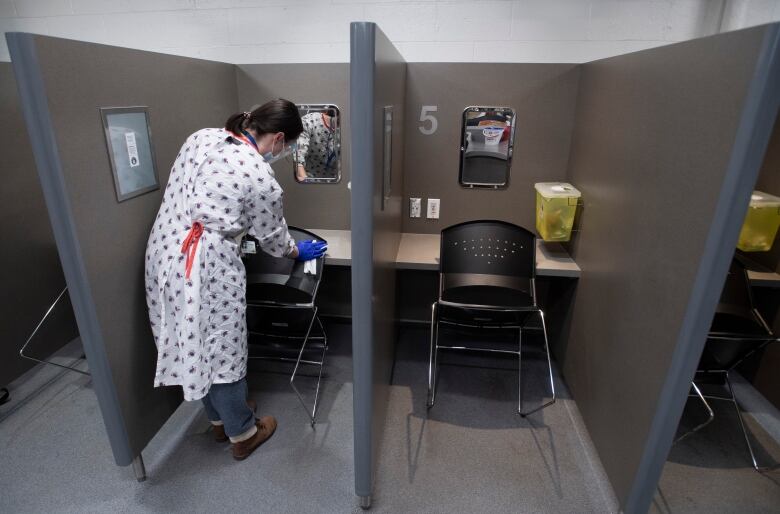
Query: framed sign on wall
point(129, 142)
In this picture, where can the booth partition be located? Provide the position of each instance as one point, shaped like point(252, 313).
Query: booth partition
point(664, 144)
point(101, 242)
point(666, 149)
point(377, 89)
point(29, 250)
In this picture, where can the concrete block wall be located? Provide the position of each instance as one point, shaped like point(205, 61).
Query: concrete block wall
point(250, 31)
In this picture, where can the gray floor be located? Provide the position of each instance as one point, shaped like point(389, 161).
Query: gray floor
point(711, 472)
point(56, 458)
point(470, 453)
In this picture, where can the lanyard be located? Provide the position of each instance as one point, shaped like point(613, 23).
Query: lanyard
point(331, 142)
point(248, 139)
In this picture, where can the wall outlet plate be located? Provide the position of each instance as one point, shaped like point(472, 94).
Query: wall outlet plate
point(433, 208)
point(415, 207)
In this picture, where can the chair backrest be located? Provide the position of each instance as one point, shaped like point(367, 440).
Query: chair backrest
point(281, 279)
point(489, 263)
point(488, 247)
point(736, 297)
point(736, 330)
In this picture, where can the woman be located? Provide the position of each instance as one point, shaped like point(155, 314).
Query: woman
point(220, 187)
point(317, 153)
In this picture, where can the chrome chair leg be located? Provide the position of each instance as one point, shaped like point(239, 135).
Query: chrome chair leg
point(549, 367)
point(520, 370)
point(433, 355)
point(313, 413)
point(742, 424)
point(37, 328)
point(319, 381)
point(710, 414)
point(322, 331)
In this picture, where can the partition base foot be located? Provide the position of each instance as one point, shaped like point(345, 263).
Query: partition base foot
point(365, 502)
point(139, 469)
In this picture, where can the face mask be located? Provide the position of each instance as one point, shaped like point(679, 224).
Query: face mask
point(270, 158)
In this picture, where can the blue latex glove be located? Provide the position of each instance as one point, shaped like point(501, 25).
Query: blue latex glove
point(308, 250)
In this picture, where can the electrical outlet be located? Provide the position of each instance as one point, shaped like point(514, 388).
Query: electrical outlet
point(433, 208)
point(415, 207)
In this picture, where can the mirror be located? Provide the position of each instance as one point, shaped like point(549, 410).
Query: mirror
point(317, 158)
point(487, 138)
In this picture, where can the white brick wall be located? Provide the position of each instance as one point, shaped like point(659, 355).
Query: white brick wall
point(424, 30)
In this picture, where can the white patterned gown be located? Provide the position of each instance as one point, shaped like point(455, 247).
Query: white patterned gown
point(199, 323)
point(317, 148)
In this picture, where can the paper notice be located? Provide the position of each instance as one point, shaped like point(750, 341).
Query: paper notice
point(132, 149)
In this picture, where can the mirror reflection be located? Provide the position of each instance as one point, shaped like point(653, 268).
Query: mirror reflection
point(487, 138)
point(317, 158)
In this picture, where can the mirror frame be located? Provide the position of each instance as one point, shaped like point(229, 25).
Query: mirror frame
point(510, 149)
point(326, 180)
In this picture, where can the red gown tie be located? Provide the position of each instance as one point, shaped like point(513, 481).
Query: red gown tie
point(190, 246)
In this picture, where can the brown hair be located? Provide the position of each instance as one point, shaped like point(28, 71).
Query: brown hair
point(278, 115)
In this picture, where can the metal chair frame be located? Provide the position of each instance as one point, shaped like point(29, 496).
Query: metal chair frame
point(731, 395)
point(35, 331)
point(310, 306)
point(312, 412)
point(525, 309)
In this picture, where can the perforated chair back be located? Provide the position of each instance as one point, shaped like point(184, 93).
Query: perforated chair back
point(281, 280)
point(489, 263)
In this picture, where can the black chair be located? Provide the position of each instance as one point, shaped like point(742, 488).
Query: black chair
point(281, 310)
point(737, 332)
point(486, 280)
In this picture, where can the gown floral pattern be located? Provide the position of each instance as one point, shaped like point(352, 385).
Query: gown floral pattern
point(199, 323)
point(317, 147)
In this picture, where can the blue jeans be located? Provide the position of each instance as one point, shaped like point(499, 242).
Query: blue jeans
point(227, 403)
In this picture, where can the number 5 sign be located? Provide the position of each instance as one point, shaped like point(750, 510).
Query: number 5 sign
point(425, 117)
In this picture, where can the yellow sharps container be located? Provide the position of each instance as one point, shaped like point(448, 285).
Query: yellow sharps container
point(761, 223)
point(556, 205)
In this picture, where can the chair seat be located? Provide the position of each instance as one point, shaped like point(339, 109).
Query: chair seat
point(267, 292)
point(725, 354)
point(273, 347)
point(489, 296)
point(737, 325)
point(481, 317)
point(281, 322)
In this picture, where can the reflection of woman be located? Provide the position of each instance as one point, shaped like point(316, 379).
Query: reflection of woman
point(317, 152)
point(220, 186)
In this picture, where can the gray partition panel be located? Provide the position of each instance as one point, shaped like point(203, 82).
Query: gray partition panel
point(544, 97)
point(102, 242)
point(766, 379)
point(32, 276)
point(305, 83)
point(377, 79)
point(769, 182)
point(666, 148)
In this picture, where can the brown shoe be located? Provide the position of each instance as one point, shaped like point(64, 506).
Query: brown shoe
point(266, 426)
point(219, 430)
